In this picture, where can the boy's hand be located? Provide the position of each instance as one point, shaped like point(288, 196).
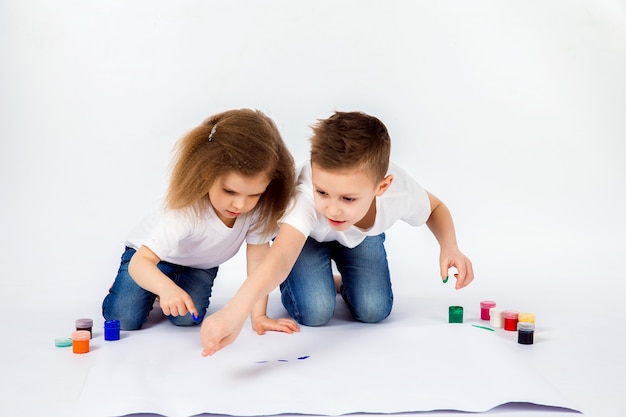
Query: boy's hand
point(220, 329)
point(453, 257)
point(175, 301)
point(261, 324)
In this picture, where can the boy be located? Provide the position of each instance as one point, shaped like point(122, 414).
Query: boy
point(347, 197)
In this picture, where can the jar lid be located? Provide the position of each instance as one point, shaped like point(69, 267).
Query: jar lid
point(112, 324)
point(487, 304)
point(525, 326)
point(529, 317)
point(83, 323)
point(62, 342)
point(510, 314)
point(81, 335)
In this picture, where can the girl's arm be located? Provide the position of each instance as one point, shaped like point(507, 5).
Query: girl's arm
point(222, 327)
point(441, 225)
point(260, 321)
point(174, 301)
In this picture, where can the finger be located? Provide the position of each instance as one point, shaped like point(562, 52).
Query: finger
point(191, 308)
point(469, 275)
point(443, 271)
point(292, 325)
point(460, 274)
point(165, 309)
point(286, 328)
point(212, 348)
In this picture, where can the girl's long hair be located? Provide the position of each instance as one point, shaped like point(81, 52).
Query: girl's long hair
point(246, 142)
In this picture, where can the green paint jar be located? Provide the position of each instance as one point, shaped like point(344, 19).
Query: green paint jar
point(455, 314)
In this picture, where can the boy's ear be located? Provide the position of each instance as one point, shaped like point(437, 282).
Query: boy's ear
point(384, 185)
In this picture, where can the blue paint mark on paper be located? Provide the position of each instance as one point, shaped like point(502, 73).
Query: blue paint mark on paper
point(300, 358)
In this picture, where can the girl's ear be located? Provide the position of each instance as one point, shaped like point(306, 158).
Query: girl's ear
point(384, 185)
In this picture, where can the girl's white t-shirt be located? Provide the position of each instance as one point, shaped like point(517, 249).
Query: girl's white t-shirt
point(183, 237)
point(405, 200)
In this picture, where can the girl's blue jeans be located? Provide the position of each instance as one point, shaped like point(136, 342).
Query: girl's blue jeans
point(309, 293)
point(130, 304)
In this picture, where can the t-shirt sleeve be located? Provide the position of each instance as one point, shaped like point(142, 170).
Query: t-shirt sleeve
point(255, 235)
point(416, 202)
point(167, 231)
point(302, 215)
point(419, 207)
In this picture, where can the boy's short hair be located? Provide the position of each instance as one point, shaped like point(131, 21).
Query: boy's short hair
point(351, 140)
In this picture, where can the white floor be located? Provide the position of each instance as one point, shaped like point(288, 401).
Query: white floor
point(512, 113)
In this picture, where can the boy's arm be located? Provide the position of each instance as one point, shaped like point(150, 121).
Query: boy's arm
point(174, 301)
point(259, 319)
point(441, 225)
point(222, 327)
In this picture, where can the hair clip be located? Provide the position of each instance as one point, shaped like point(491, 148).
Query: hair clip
point(212, 133)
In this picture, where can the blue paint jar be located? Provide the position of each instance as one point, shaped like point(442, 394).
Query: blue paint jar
point(112, 330)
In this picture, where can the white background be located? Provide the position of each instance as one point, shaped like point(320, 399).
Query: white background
point(513, 113)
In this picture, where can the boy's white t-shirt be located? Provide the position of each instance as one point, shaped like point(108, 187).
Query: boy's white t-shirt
point(404, 200)
point(201, 241)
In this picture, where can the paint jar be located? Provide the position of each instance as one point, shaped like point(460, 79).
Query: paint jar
point(510, 320)
point(526, 317)
point(63, 342)
point(495, 317)
point(484, 309)
point(80, 341)
point(455, 314)
point(112, 330)
point(525, 333)
point(84, 324)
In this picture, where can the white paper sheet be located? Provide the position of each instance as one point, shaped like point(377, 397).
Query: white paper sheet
point(342, 368)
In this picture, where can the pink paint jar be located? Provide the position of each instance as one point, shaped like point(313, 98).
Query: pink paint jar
point(484, 309)
point(510, 320)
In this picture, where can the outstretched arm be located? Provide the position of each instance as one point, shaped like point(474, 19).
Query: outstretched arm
point(222, 327)
point(260, 321)
point(441, 225)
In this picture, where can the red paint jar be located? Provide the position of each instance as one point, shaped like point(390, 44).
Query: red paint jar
point(484, 309)
point(510, 320)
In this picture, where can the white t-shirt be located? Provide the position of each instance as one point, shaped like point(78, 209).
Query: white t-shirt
point(405, 200)
point(184, 238)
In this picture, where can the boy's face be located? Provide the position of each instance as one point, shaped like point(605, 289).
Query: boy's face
point(346, 197)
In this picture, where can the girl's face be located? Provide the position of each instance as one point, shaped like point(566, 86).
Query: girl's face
point(233, 194)
point(346, 198)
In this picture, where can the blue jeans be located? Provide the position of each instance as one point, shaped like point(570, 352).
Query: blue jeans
point(309, 293)
point(130, 304)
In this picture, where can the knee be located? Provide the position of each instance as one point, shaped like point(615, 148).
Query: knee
point(129, 318)
point(372, 312)
point(315, 314)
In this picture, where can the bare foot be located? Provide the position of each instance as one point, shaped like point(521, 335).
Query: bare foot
point(337, 279)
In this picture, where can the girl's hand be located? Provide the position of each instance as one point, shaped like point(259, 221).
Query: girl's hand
point(175, 301)
point(261, 324)
point(453, 257)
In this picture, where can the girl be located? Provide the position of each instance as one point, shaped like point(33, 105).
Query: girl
point(232, 179)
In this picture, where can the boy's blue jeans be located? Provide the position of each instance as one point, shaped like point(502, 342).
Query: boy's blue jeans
point(309, 293)
point(131, 304)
